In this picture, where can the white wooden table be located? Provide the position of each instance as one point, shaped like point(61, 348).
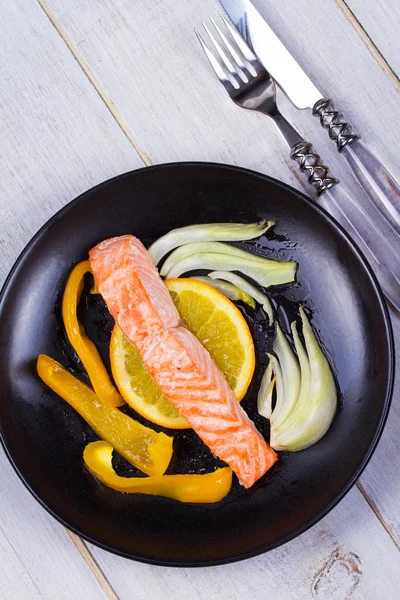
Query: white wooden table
point(92, 88)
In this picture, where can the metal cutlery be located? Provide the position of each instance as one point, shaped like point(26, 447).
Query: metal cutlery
point(378, 183)
point(250, 86)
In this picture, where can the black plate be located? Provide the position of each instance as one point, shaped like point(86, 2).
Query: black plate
point(44, 438)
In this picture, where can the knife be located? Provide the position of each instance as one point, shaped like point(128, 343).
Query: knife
point(380, 186)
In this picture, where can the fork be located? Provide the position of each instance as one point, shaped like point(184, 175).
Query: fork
point(250, 86)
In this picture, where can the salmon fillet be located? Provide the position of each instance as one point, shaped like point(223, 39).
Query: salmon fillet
point(190, 379)
point(182, 368)
point(130, 284)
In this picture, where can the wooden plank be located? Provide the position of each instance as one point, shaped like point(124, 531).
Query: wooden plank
point(380, 481)
point(378, 23)
point(15, 581)
point(150, 67)
point(340, 557)
point(163, 89)
point(57, 136)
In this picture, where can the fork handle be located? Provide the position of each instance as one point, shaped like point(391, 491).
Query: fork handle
point(311, 164)
point(303, 153)
point(375, 179)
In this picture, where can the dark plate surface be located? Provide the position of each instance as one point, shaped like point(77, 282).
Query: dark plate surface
point(44, 438)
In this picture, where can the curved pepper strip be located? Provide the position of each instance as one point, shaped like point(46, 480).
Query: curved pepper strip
point(83, 346)
point(143, 447)
point(211, 487)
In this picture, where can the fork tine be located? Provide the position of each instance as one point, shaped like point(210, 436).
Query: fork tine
point(229, 46)
point(248, 54)
point(232, 71)
point(219, 71)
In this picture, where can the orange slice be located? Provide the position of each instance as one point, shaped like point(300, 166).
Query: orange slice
point(220, 327)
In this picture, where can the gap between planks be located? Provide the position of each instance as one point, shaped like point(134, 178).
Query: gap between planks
point(384, 66)
point(88, 557)
point(378, 514)
point(93, 81)
point(368, 42)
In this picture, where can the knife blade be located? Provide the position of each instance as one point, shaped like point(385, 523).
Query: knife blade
point(272, 53)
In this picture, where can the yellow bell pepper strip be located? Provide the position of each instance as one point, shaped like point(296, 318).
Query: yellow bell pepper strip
point(144, 448)
point(211, 487)
point(94, 289)
point(84, 347)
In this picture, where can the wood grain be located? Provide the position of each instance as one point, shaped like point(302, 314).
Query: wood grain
point(58, 137)
point(380, 481)
point(336, 559)
point(151, 68)
point(378, 23)
point(159, 85)
point(37, 557)
point(15, 581)
point(84, 551)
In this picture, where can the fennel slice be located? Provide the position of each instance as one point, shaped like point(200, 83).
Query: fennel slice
point(276, 367)
point(268, 273)
point(247, 287)
point(304, 394)
point(229, 290)
point(264, 397)
point(207, 232)
point(192, 248)
point(316, 415)
point(291, 378)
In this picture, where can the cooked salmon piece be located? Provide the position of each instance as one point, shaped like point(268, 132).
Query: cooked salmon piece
point(183, 369)
point(132, 288)
point(188, 376)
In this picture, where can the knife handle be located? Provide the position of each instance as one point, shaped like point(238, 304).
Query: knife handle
point(360, 217)
point(375, 179)
point(378, 183)
point(371, 232)
point(331, 119)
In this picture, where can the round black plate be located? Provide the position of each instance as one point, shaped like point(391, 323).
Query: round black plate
point(44, 438)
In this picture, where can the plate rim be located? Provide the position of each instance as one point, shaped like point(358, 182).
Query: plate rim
point(389, 388)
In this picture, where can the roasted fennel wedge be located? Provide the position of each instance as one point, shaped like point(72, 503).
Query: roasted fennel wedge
point(215, 247)
point(306, 394)
point(269, 272)
point(246, 287)
point(229, 290)
point(207, 232)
